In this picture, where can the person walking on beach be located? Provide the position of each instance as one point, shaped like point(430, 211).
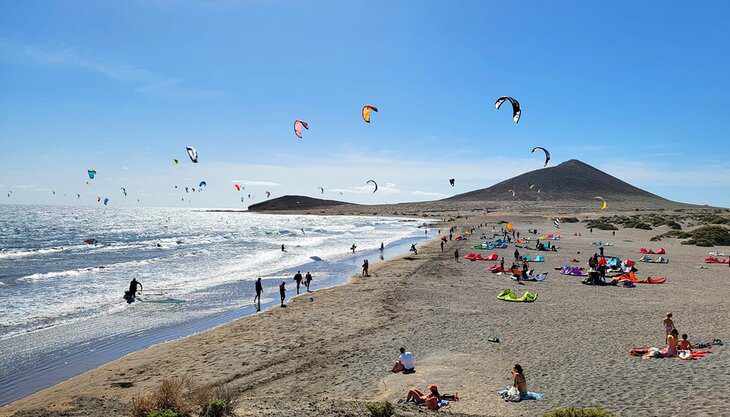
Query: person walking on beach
point(259, 290)
point(442, 245)
point(456, 255)
point(413, 249)
point(501, 264)
point(517, 255)
point(451, 236)
point(365, 266)
point(298, 279)
point(282, 292)
point(668, 324)
point(307, 280)
point(601, 250)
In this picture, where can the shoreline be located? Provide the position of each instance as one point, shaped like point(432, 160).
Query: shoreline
point(316, 358)
point(60, 364)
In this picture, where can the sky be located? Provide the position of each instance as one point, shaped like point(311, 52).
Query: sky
point(636, 89)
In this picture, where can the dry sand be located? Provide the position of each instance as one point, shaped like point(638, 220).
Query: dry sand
point(311, 358)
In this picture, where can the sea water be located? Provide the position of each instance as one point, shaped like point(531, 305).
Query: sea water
point(61, 306)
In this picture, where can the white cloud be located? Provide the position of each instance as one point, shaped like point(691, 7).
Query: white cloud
point(125, 168)
point(427, 194)
point(261, 183)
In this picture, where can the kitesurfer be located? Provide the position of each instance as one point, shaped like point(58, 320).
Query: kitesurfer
point(132, 292)
point(353, 247)
point(282, 248)
point(259, 289)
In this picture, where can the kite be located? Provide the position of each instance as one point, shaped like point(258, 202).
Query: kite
point(556, 223)
point(124, 190)
point(374, 183)
point(98, 199)
point(202, 184)
point(516, 112)
point(238, 187)
point(366, 112)
point(106, 201)
point(509, 226)
point(598, 197)
point(321, 190)
point(186, 189)
point(547, 154)
point(174, 161)
point(91, 241)
point(193, 154)
point(298, 125)
point(92, 174)
point(78, 196)
point(532, 186)
point(511, 191)
point(241, 199)
point(268, 194)
point(452, 181)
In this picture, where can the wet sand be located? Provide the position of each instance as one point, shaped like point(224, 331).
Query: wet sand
point(313, 358)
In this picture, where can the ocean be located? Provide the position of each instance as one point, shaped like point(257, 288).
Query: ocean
point(61, 305)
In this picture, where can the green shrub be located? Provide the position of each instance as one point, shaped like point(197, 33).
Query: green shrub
point(600, 225)
point(217, 401)
point(162, 413)
point(715, 219)
point(578, 412)
point(673, 225)
point(568, 219)
point(705, 236)
point(381, 408)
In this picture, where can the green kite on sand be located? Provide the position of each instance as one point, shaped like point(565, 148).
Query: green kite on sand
point(509, 295)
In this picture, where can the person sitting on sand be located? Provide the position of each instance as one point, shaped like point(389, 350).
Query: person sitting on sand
point(672, 343)
point(684, 343)
point(405, 363)
point(525, 267)
point(519, 381)
point(517, 255)
point(413, 249)
point(431, 400)
point(668, 324)
point(365, 266)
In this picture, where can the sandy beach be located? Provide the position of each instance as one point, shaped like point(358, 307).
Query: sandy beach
point(316, 357)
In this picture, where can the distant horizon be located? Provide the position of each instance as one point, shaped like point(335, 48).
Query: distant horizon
point(124, 88)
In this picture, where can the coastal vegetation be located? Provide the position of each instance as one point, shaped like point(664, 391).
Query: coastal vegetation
point(182, 398)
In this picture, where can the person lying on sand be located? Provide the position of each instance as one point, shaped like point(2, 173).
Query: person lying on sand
point(431, 401)
point(405, 363)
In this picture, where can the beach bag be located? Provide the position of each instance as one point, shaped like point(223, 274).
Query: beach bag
point(512, 395)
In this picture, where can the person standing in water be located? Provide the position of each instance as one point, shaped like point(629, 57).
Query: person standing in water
point(282, 248)
point(298, 279)
point(307, 280)
point(353, 247)
point(259, 290)
point(382, 247)
point(282, 292)
point(133, 287)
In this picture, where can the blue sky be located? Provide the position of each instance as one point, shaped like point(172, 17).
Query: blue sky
point(637, 89)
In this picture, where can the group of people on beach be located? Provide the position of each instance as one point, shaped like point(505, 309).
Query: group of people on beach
point(298, 279)
point(673, 341)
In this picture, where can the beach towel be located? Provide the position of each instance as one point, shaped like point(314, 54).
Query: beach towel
point(509, 295)
point(511, 394)
point(573, 271)
point(654, 352)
